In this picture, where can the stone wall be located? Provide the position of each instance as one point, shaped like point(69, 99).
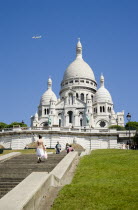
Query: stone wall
point(19, 139)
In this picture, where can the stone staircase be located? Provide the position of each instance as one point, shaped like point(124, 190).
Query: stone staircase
point(14, 170)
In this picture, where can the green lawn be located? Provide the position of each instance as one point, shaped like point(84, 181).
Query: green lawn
point(25, 151)
point(106, 179)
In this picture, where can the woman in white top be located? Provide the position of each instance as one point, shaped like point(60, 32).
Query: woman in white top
point(40, 151)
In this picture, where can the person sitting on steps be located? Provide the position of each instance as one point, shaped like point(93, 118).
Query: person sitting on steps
point(70, 149)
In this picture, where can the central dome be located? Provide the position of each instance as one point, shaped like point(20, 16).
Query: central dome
point(79, 68)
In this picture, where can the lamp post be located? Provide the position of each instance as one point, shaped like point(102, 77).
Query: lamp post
point(129, 118)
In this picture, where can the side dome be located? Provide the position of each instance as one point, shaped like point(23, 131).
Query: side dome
point(46, 97)
point(102, 94)
point(79, 68)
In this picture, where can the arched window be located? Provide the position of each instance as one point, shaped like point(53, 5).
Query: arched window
point(100, 108)
point(82, 96)
point(103, 109)
point(81, 113)
point(77, 96)
point(109, 109)
point(45, 111)
point(92, 97)
point(81, 122)
point(59, 122)
point(70, 99)
point(70, 113)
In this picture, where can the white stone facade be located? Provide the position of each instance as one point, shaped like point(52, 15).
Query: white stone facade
point(80, 104)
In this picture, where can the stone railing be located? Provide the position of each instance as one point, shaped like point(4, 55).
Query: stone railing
point(124, 133)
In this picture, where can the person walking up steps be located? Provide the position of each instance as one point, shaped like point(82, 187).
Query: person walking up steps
point(40, 151)
point(58, 148)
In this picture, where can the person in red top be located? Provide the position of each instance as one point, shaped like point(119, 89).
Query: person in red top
point(70, 149)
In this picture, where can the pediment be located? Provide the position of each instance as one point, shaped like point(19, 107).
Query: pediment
point(60, 104)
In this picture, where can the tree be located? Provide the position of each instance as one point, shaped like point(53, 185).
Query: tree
point(135, 138)
point(20, 124)
point(3, 125)
point(132, 125)
point(117, 127)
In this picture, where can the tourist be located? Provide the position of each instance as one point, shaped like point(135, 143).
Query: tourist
point(67, 146)
point(128, 145)
point(123, 146)
point(70, 149)
point(26, 147)
point(58, 148)
point(40, 151)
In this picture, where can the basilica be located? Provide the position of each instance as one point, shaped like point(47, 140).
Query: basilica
point(81, 104)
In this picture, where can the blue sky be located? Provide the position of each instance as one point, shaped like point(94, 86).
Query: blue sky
point(109, 35)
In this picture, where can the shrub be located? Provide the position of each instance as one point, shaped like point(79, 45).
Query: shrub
point(135, 138)
point(1, 147)
point(117, 127)
point(3, 125)
point(16, 124)
point(132, 125)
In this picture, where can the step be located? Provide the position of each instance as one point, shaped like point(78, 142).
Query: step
point(10, 179)
point(3, 190)
point(4, 185)
point(14, 170)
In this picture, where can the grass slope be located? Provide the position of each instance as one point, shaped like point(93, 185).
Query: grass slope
point(25, 151)
point(106, 179)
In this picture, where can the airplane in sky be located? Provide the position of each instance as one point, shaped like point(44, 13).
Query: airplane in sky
point(36, 37)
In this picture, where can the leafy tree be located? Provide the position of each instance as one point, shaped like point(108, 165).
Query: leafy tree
point(20, 124)
point(135, 138)
point(3, 125)
point(132, 125)
point(117, 127)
